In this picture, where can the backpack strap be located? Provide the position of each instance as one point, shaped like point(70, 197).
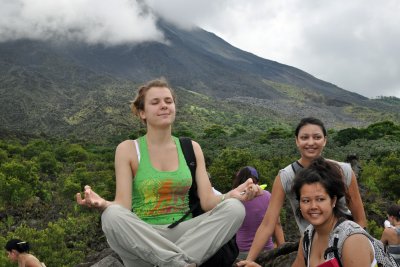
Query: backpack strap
point(190, 157)
point(343, 230)
point(340, 233)
point(306, 246)
point(296, 166)
point(307, 239)
point(334, 249)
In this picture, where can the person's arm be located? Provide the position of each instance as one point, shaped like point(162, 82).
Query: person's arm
point(125, 166)
point(248, 264)
point(299, 260)
point(356, 205)
point(208, 200)
point(267, 226)
point(385, 236)
point(278, 233)
point(357, 251)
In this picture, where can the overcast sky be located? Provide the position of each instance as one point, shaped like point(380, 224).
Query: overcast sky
point(353, 44)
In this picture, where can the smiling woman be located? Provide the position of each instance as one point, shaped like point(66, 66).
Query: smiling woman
point(318, 188)
point(311, 138)
point(152, 192)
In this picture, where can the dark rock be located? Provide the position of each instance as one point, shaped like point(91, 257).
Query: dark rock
point(106, 257)
point(281, 256)
point(108, 261)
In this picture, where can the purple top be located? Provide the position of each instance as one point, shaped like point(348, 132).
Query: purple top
point(255, 211)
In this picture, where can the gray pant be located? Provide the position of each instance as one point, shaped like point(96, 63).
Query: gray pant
point(193, 241)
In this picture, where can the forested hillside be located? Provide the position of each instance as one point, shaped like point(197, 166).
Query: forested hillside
point(39, 177)
point(74, 89)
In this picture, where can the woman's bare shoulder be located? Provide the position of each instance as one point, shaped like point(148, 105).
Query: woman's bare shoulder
point(126, 145)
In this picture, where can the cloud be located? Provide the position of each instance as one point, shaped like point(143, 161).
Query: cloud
point(355, 46)
point(187, 13)
point(90, 21)
point(352, 44)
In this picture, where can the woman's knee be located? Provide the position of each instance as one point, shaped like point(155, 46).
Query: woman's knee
point(235, 207)
point(112, 214)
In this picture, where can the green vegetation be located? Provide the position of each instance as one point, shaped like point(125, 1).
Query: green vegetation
point(39, 177)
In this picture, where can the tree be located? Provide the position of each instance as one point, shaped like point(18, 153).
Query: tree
point(76, 153)
point(345, 136)
point(3, 156)
point(47, 162)
point(389, 179)
point(35, 147)
point(214, 131)
point(275, 133)
point(20, 181)
point(226, 165)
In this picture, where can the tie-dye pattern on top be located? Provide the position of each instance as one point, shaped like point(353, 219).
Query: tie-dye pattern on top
point(160, 197)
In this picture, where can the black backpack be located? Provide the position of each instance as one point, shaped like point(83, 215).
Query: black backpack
point(340, 233)
point(227, 254)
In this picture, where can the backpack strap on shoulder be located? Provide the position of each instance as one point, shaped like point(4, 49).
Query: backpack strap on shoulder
point(334, 249)
point(306, 246)
point(340, 233)
point(307, 239)
point(190, 157)
point(296, 166)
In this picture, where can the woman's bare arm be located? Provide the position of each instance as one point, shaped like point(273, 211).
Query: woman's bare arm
point(267, 226)
point(356, 205)
point(299, 261)
point(125, 166)
point(278, 233)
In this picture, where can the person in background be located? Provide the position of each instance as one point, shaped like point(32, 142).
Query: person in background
point(18, 251)
point(255, 210)
point(152, 185)
point(311, 138)
point(355, 164)
point(387, 224)
point(391, 235)
point(318, 189)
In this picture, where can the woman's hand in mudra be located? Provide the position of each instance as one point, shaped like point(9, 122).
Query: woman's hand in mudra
point(246, 191)
point(91, 199)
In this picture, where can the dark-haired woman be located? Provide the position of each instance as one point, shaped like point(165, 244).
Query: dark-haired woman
point(311, 138)
point(255, 210)
point(152, 192)
point(18, 251)
point(318, 189)
point(391, 235)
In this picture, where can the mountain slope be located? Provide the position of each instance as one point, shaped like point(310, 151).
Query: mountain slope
point(77, 89)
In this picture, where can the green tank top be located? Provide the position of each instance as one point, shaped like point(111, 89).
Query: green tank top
point(160, 197)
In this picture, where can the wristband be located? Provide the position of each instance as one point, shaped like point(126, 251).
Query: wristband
point(223, 197)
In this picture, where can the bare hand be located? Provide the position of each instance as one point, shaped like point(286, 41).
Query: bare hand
point(246, 191)
point(91, 199)
point(246, 263)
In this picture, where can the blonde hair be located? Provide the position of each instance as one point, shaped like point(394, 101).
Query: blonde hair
point(137, 104)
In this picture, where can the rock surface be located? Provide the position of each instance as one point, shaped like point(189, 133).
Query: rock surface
point(105, 258)
point(279, 257)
